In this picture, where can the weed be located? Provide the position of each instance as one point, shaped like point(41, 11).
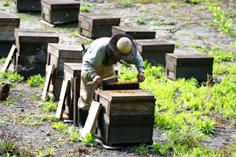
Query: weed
point(3, 60)
point(6, 3)
point(47, 117)
point(74, 136)
point(9, 101)
point(89, 140)
point(14, 77)
point(140, 149)
point(35, 97)
point(174, 4)
point(49, 151)
point(126, 2)
point(207, 126)
point(35, 81)
point(59, 126)
point(49, 106)
point(144, 9)
point(176, 45)
point(157, 147)
point(86, 9)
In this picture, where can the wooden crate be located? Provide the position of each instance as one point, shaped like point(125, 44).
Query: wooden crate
point(28, 5)
point(126, 116)
point(29, 65)
point(32, 44)
point(58, 54)
point(135, 32)
point(188, 65)
point(8, 22)
point(154, 50)
point(60, 11)
point(96, 25)
point(71, 71)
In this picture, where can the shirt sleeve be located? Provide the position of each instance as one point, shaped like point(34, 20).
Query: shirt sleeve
point(138, 61)
point(94, 56)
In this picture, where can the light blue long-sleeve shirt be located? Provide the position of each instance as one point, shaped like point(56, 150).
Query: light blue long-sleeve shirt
point(96, 53)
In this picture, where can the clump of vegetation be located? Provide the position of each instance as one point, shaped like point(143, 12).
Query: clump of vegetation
point(85, 9)
point(49, 106)
point(35, 81)
point(140, 149)
point(60, 126)
point(6, 3)
point(47, 117)
point(9, 101)
point(126, 2)
point(3, 60)
point(89, 140)
point(12, 77)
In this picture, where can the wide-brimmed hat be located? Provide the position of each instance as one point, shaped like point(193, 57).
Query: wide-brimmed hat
point(113, 46)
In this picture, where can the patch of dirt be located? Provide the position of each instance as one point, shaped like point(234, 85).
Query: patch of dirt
point(185, 25)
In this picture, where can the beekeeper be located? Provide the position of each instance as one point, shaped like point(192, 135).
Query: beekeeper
point(98, 63)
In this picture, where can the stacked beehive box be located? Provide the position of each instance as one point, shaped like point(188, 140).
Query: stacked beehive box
point(154, 50)
point(126, 116)
point(8, 22)
point(28, 5)
point(31, 55)
point(72, 72)
point(96, 25)
point(58, 54)
point(188, 65)
point(60, 11)
point(135, 32)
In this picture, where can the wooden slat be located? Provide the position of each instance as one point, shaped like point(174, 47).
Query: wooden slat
point(9, 58)
point(91, 119)
point(75, 101)
point(61, 102)
point(47, 81)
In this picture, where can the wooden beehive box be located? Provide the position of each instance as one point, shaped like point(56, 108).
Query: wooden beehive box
point(154, 50)
point(28, 5)
point(31, 47)
point(126, 116)
point(58, 54)
point(71, 71)
point(96, 25)
point(8, 22)
point(188, 65)
point(60, 11)
point(135, 32)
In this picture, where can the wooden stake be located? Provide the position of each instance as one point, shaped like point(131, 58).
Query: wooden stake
point(9, 58)
point(64, 91)
point(91, 119)
point(49, 72)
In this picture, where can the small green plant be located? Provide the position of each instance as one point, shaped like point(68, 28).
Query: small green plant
point(157, 147)
point(176, 45)
point(89, 140)
point(47, 117)
point(49, 151)
point(12, 77)
point(126, 2)
point(85, 9)
point(9, 101)
point(74, 136)
point(174, 4)
point(59, 126)
point(144, 9)
point(3, 60)
point(35, 80)
point(207, 126)
point(140, 149)
point(49, 106)
point(6, 3)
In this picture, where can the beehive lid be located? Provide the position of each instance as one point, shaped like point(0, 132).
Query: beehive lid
point(61, 4)
point(65, 51)
point(155, 45)
point(74, 69)
point(99, 18)
point(132, 94)
point(189, 59)
point(35, 35)
point(133, 29)
point(9, 19)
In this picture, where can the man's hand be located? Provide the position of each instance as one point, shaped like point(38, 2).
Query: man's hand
point(97, 79)
point(141, 76)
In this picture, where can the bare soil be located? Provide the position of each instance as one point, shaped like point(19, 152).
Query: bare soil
point(185, 25)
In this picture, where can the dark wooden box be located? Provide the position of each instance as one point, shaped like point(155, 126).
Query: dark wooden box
point(135, 32)
point(154, 50)
point(126, 116)
point(188, 65)
point(71, 71)
point(96, 25)
point(28, 5)
point(58, 54)
point(8, 22)
point(60, 11)
point(29, 65)
point(32, 44)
